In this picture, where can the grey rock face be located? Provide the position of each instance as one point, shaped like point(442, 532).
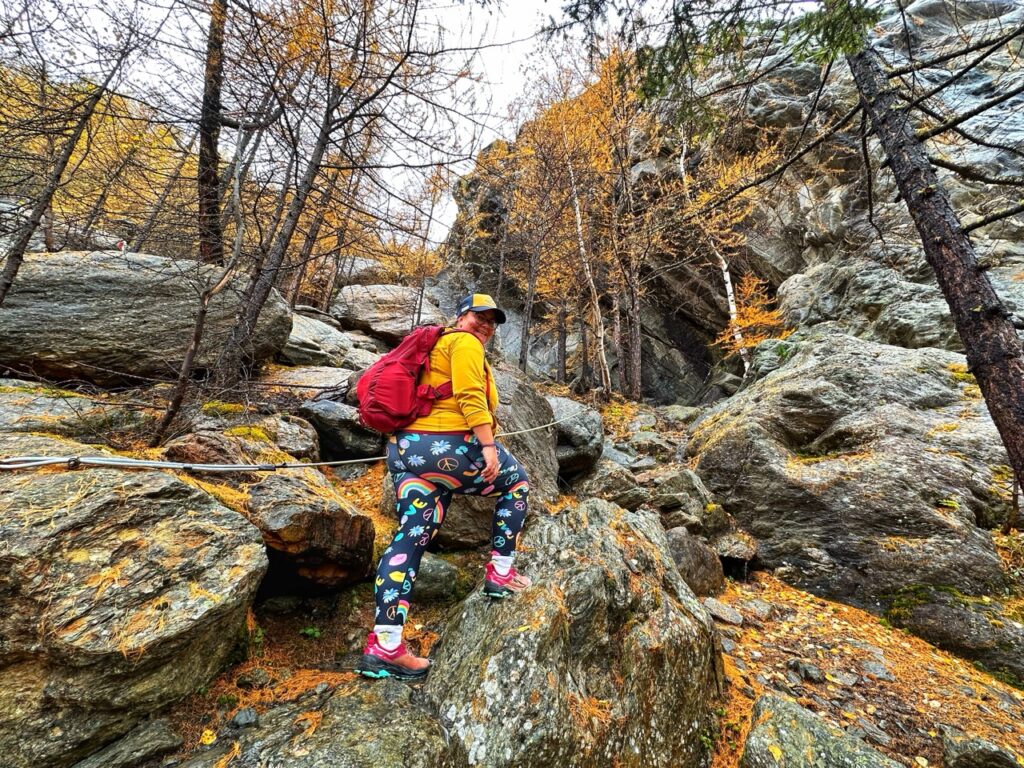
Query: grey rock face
point(961, 751)
point(314, 342)
point(787, 734)
point(860, 468)
point(341, 434)
point(612, 482)
point(104, 316)
point(29, 407)
point(120, 593)
point(386, 312)
point(309, 530)
point(144, 742)
point(864, 470)
point(501, 680)
point(294, 386)
point(349, 734)
point(698, 564)
point(580, 439)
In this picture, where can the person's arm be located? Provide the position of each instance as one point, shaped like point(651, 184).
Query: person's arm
point(469, 388)
point(485, 435)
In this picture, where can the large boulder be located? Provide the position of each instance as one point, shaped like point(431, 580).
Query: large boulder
point(110, 317)
point(386, 312)
point(120, 592)
point(786, 734)
point(861, 469)
point(580, 435)
point(342, 435)
point(607, 658)
point(612, 482)
point(314, 342)
point(309, 530)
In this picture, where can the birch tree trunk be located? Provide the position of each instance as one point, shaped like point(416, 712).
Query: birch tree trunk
point(730, 297)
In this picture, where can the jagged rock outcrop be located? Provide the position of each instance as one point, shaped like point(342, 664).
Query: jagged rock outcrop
point(862, 469)
point(110, 317)
point(606, 658)
point(314, 537)
point(120, 592)
point(311, 531)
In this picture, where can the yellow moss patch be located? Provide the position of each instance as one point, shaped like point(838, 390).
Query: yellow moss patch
point(220, 408)
point(960, 373)
point(949, 426)
point(230, 497)
point(972, 392)
point(250, 432)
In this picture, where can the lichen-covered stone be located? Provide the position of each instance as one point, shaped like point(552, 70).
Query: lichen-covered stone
point(607, 659)
point(786, 734)
point(120, 592)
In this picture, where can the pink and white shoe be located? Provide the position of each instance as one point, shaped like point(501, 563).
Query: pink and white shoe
point(498, 586)
point(378, 662)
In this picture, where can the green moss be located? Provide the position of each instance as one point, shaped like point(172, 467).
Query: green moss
point(948, 503)
point(220, 408)
point(40, 391)
point(251, 433)
point(907, 599)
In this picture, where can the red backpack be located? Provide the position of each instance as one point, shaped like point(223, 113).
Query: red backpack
point(390, 396)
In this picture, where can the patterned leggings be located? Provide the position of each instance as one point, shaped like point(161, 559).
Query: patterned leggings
point(428, 468)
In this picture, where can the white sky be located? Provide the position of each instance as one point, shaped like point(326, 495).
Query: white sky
point(509, 34)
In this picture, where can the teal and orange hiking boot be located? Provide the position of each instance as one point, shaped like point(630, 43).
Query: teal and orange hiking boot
point(498, 586)
point(378, 662)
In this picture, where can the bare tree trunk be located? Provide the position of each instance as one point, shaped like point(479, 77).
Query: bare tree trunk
point(147, 227)
point(617, 340)
point(97, 208)
point(1014, 516)
point(199, 327)
point(563, 332)
point(635, 338)
point(263, 279)
point(584, 351)
point(211, 235)
point(994, 352)
point(16, 254)
point(588, 273)
point(531, 291)
point(306, 250)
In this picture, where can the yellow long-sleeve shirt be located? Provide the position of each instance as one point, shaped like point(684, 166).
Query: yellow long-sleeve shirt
point(459, 358)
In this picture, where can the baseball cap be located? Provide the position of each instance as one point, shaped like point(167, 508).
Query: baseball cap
point(479, 302)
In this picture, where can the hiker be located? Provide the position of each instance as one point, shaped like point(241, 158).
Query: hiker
point(451, 449)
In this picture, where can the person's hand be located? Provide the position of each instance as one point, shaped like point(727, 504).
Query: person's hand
point(491, 464)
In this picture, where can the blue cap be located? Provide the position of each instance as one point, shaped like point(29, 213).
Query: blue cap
point(480, 302)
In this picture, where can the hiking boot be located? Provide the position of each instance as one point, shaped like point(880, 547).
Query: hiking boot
point(399, 663)
point(496, 585)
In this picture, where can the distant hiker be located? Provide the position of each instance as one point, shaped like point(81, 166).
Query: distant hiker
point(449, 450)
